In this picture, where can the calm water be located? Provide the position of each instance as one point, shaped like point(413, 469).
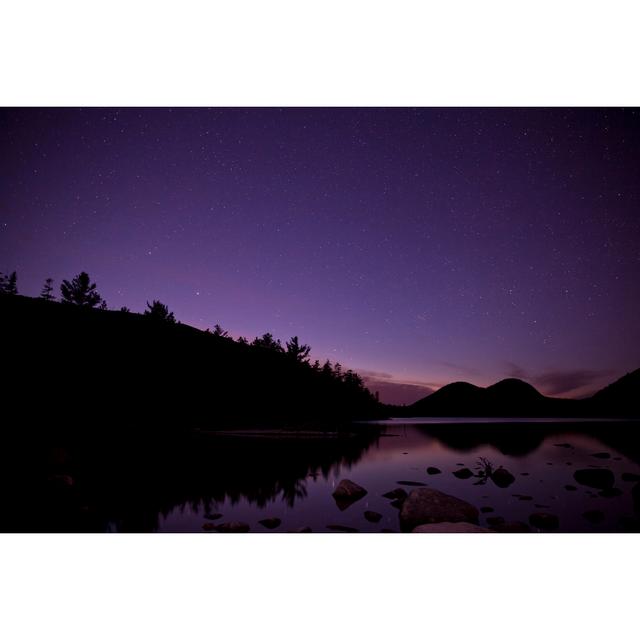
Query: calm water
point(293, 478)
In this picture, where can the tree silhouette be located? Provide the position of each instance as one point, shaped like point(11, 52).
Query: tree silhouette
point(299, 352)
point(219, 331)
point(125, 310)
point(8, 284)
point(159, 311)
point(80, 291)
point(267, 342)
point(47, 290)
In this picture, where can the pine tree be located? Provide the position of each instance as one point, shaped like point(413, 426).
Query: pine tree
point(47, 290)
point(8, 284)
point(159, 311)
point(80, 291)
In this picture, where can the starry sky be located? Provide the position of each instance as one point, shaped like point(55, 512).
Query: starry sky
point(417, 246)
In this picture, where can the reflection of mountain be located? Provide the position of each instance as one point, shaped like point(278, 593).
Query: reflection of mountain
point(83, 485)
point(512, 397)
point(518, 439)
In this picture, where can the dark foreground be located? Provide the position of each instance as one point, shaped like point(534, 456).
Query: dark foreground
point(283, 480)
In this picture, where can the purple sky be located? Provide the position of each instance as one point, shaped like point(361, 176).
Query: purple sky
point(418, 246)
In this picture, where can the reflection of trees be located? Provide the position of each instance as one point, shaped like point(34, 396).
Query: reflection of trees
point(132, 484)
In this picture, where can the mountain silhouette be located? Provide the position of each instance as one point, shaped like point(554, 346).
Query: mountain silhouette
point(515, 398)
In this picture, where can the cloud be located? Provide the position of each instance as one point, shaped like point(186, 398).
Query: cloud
point(394, 392)
point(556, 382)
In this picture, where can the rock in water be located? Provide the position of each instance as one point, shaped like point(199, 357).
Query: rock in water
point(302, 530)
point(451, 527)
point(596, 478)
point(348, 492)
point(603, 456)
point(502, 478)
point(411, 483)
point(427, 506)
point(233, 527)
point(613, 492)
point(372, 516)
point(492, 521)
point(544, 521)
point(635, 494)
point(486, 509)
point(511, 527)
point(432, 471)
point(463, 474)
point(396, 494)
point(271, 523)
point(593, 516)
point(342, 528)
point(570, 487)
point(630, 477)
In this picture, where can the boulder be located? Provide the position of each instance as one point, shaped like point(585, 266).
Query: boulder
point(411, 483)
point(372, 516)
point(502, 478)
point(596, 478)
point(233, 527)
point(544, 521)
point(270, 523)
point(427, 506)
point(397, 504)
point(451, 527)
point(463, 474)
point(348, 492)
point(432, 471)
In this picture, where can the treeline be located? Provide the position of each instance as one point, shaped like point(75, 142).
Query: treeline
point(152, 369)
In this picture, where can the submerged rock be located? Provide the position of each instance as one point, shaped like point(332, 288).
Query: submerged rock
point(613, 492)
point(451, 527)
point(212, 516)
point(463, 474)
point(348, 492)
point(432, 471)
point(426, 506)
point(270, 523)
point(492, 521)
point(411, 483)
point(596, 478)
point(301, 530)
point(502, 478)
point(396, 494)
point(372, 516)
point(512, 527)
point(594, 516)
point(342, 528)
point(486, 509)
point(630, 477)
point(233, 527)
point(570, 487)
point(544, 521)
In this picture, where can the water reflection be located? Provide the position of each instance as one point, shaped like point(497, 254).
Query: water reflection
point(174, 484)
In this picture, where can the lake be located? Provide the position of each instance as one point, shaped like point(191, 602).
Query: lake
point(194, 482)
point(542, 456)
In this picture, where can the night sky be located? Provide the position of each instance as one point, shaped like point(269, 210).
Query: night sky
point(418, 246)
